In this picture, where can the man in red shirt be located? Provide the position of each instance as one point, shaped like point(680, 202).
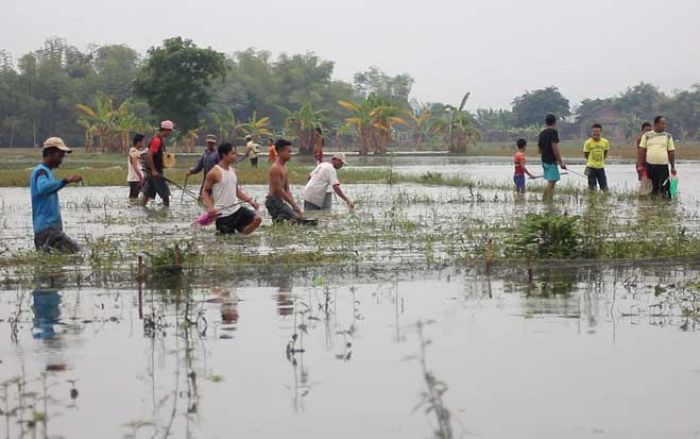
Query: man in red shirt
point(155, 180)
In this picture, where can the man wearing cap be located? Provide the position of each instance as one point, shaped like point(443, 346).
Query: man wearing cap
point(155, 180)
point(46, 212)
point(317, 195)
point(209, 159)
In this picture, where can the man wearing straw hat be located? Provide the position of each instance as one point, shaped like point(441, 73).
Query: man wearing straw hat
point(155, 180)
point(209, 159)
point(46, 212)
point(316, 193)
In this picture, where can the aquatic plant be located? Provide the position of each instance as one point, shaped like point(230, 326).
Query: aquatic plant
point(547, 236)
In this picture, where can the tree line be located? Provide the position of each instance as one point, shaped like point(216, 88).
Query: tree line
point(101, 96)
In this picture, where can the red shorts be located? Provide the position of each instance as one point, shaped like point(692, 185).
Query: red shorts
point(318, 156)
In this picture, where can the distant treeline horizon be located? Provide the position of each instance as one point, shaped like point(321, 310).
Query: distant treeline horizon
point(103, 95)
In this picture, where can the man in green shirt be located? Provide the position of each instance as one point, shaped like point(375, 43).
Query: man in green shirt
point(596, 151)
point(657, 150)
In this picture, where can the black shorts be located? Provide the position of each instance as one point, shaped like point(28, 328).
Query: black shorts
point(235, 223)
point(597, 177)
point(134, 189)
point(278, 209)
point(154, 186)
point(659, 176)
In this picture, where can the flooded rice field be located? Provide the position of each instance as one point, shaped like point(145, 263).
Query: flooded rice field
point(578, 352)
point(410, 317)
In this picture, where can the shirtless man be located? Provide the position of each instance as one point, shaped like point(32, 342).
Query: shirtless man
point(280, 203)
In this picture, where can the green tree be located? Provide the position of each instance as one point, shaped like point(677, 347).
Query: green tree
point(531, 107)
point(375, 82)
point(176, 79)
point(458, 127)
point(301, 124)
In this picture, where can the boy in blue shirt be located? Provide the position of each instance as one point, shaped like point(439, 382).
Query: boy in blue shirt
point(46, 213)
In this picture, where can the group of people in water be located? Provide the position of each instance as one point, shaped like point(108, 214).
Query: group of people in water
point(220, 192)
point(222, 195)
point(655, 152)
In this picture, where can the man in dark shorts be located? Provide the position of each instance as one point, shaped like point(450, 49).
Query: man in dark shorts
point(46, 211)
point(222, 195)
point(655, 153)
point(548, 145)
point(155, 180)
point(280, 203)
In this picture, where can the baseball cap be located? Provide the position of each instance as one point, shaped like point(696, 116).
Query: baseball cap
point(210, 138)
point(56, 142)
point(166, 125)
point(340, 156)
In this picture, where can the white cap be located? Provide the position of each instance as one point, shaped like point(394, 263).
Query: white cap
point(56, 142)
point(340, 156)
point(166, 125)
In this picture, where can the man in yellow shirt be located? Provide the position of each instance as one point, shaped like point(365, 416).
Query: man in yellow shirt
point(596, 151)
point(657, 150)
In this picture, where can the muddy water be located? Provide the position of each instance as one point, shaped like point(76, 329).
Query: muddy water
point(587, 352)
point(584, 350)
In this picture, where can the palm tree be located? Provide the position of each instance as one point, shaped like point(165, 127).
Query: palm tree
point(301, 124)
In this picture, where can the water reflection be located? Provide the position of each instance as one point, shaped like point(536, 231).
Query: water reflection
point(47, 312)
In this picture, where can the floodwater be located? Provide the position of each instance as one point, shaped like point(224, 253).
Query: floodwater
point(583, 352)
point(576, 350)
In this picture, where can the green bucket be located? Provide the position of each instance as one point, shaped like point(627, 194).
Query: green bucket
point(673, 189)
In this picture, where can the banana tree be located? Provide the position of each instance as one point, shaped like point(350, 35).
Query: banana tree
point(459, 127)
point(97, 120)
point(385, 115)
point(420, 119)
point(361, 120)
point(301, 124)
point(257, 127)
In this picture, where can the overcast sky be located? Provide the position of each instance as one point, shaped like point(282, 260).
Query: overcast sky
point(496, 49)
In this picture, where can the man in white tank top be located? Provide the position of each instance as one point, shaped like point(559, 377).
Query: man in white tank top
point(223, 196)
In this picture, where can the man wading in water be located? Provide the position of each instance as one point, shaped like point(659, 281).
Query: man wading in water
point(280, 203)
point(548, 144)
point(209, 159)
point(656, 151)
point(224, 202)
point(155, 181)
point(316, 195)
point(46, 212)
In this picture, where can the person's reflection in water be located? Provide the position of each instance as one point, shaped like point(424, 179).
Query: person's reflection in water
point(285, 304)
point(47, 312)
point(228, 298)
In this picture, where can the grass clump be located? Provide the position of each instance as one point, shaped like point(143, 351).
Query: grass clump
point(550, 236)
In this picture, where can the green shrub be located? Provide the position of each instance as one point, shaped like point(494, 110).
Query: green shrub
point(548, 236)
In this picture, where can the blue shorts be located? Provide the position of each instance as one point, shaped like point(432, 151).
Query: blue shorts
point(551, 171)
point(519, 181)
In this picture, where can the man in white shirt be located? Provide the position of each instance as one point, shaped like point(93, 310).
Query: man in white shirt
point(316, 193)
